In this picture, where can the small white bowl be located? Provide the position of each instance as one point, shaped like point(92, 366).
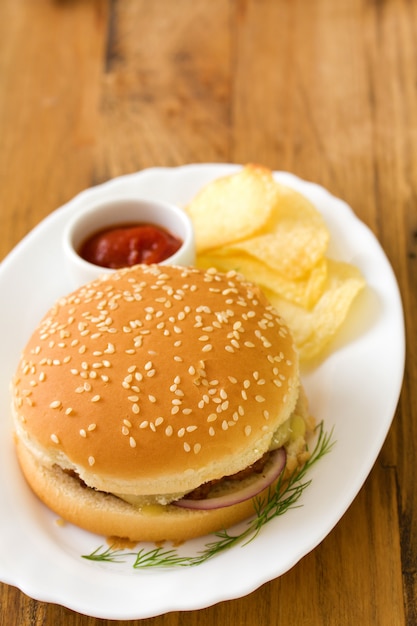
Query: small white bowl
point(124, 211)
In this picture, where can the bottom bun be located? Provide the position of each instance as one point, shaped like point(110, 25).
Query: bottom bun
point(107, 515)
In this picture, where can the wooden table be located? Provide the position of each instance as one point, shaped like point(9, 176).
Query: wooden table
point(91, 89)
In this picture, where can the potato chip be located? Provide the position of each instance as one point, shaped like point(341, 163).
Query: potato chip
point(233, 207)
point(294, 238)
point(277, 239)
point(313, 330)
point(304, 291)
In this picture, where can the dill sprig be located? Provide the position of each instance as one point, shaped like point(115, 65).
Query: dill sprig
point(284, 496)
point(109, 555)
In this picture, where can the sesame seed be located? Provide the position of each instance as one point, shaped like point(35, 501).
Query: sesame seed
point(91, 460)
point(187, 447)
point(54, 438)
point(168, 431)
point(68, 411)
point(144, 424)
point(132, 442)
point(248, 430)
point(83, 432)
point(56, 404)
point(196, 448)
point(207, 347)
point(95, 398)
point(135, 408)
point(92, 427)
point(259, 398)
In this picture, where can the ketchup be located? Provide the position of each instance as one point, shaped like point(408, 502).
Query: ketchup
point(129, 244)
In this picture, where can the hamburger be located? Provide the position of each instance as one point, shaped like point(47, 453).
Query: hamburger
point(155, 403)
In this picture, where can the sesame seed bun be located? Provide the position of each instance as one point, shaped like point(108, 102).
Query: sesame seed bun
point(150, 382)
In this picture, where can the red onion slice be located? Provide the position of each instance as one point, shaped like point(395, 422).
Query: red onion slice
point(275, 466)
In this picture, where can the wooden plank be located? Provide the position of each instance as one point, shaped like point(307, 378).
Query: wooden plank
point(49, 107)
point(166, 89)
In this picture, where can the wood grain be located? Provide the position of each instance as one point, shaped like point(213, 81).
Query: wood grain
point(91, 89)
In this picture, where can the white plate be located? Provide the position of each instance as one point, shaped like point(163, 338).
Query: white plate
point(355, 390)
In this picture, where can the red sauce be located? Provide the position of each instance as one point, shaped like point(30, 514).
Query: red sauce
point(129, 244)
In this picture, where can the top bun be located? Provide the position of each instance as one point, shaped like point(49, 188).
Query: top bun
point(154, 380)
